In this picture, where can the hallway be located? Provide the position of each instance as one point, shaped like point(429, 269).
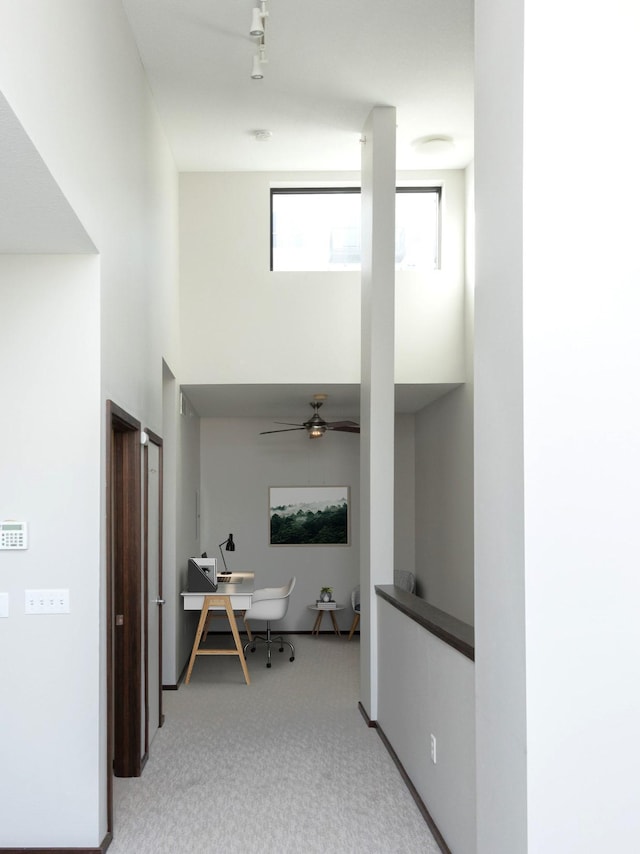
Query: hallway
point(286, 765)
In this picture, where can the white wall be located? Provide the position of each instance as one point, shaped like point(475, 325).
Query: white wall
point(444, 503)
point(444, 520)
point(243, 324)
point(581, 361)
point(100, 137)
point(404, 497)
point(72, 75)
point(558, 427)
point(50, 476)
point(237, 468)
point(430, 307)
point(436, 687)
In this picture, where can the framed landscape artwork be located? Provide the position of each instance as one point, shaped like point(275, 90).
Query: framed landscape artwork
point(309, 515)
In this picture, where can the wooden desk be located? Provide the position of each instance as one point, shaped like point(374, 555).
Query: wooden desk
point(234, 594)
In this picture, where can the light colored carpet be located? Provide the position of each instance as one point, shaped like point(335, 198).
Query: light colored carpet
point(285, 765)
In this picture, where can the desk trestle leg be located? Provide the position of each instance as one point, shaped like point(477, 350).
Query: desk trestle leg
point(216, 602)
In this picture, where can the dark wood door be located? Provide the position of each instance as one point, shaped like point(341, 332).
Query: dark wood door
point(124, 597)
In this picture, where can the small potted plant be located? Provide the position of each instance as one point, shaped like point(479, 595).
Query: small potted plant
point(326, 594)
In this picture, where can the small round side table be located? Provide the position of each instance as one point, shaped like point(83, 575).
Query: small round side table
point(320, 614)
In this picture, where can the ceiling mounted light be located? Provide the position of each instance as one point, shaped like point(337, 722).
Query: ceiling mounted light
point(256, 70)
point(257, 31)
point(317, 431)
point(257, 21)
point(435, 145)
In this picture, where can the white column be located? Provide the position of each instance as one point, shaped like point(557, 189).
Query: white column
point(498, 434)
point(377, 398)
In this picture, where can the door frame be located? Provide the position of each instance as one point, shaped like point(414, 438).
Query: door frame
point(156, 440)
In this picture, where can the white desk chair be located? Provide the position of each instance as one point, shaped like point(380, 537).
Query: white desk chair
point(355, 604)
point(404, 580)
point(401, 578)
point(270, 603)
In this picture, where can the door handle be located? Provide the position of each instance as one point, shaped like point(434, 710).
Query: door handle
point(159, 601)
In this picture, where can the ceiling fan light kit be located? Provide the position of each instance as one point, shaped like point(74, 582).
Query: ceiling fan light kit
point(316, 426)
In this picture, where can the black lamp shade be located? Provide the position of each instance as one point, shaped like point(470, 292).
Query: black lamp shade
point(229, 546)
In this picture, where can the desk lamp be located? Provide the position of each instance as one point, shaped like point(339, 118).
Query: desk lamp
point(229, 546)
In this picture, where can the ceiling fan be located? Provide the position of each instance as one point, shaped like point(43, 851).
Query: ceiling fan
point(316, 426)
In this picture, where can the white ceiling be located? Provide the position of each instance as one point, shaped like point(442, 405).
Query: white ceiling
point(329, 63)
point(292, 400)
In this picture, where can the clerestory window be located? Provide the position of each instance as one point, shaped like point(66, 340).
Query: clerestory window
point(319, 229)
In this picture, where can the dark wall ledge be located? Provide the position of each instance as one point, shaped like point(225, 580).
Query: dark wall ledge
point(449, 629)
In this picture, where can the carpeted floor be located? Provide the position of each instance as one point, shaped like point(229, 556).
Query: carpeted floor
point(285, 765)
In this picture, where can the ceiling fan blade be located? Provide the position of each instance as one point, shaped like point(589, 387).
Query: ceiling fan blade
point(343, 426)
point(290, 423)
point(289, 430)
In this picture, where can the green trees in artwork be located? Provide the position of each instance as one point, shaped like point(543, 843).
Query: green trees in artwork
point(328, 526)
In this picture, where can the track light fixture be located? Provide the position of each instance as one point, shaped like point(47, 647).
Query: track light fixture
point(257, 20)
point(257, 31)
point(258, 61)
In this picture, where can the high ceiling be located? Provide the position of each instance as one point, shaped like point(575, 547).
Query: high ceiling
point(329, 63)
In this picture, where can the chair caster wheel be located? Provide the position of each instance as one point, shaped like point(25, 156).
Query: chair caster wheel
point(281, 649)
point(253, 649)
point(268, 664)
point(293, 658)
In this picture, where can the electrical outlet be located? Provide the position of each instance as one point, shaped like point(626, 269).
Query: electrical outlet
point(434, 755)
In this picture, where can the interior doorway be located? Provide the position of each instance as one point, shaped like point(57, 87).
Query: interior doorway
point(134, 503)
point(125, 756)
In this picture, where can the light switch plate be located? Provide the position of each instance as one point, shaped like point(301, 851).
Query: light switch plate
point(4, 605)
point(46, 602)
